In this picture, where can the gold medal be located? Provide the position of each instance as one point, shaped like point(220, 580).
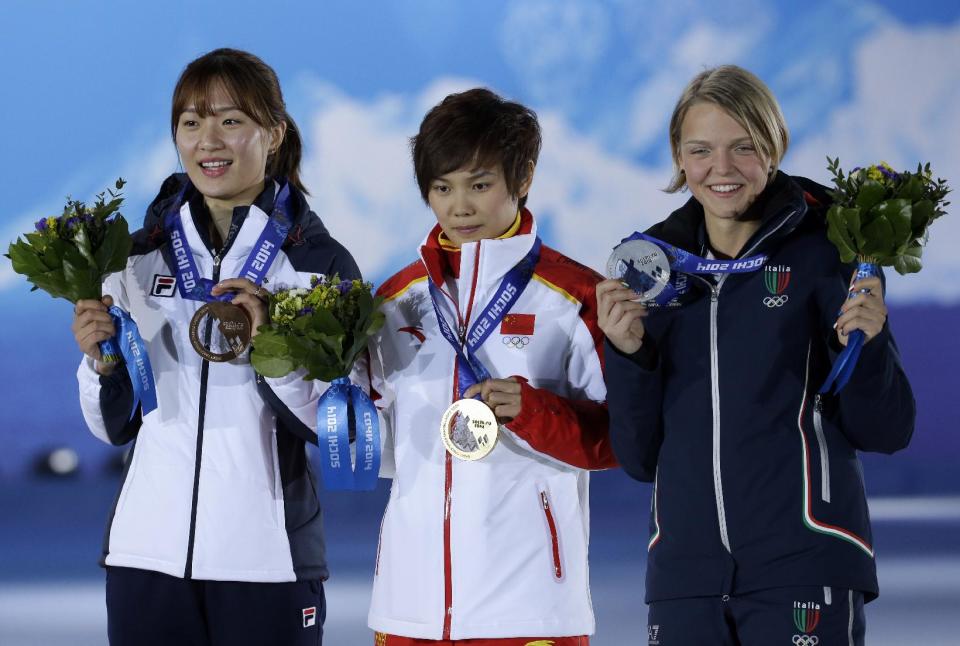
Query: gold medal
point(469, 429)
point(229, 335)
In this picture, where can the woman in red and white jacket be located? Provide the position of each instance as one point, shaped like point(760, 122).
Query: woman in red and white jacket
point(492, 550)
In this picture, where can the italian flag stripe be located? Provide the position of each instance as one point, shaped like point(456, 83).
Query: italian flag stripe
point(808, 519)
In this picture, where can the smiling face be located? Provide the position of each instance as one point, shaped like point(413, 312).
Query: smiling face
point(723, 169)
point(225, 152)
point(474, 203)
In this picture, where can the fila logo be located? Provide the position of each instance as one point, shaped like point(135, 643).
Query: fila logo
point(309, 616)
point(163, 285)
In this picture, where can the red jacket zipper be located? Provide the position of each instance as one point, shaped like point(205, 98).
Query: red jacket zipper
point(448, 466)
point(554, 538)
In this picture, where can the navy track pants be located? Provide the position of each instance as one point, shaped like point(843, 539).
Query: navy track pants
point(146, 608)
point(793, 616)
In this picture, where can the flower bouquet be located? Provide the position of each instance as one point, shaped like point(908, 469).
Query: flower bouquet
point(880, 217)
point(322, 330)
point(68, 256)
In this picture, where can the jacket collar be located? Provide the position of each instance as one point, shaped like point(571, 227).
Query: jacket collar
point(248, 221)
point(496, 257)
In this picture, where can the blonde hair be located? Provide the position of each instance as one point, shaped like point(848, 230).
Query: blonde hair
point(746, 99)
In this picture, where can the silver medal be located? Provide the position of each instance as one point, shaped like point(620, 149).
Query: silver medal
point(642, 266)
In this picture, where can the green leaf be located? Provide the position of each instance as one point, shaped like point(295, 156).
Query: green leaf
point(271, 366)
point(374, 323)
point(854, 224)
point(871, 193)
point(909, 262)
point(82, 242)
point(25, 259)
point(113, 252)
point(879, 238)
point(53, 283)
point(912, 189)
point(271, 353)
point(82, 280)
point(331, 343)
point(898, 214)
point(53, 255)
point(838, 235)
point(36, 240)
point(921, 216)
point(323, 322)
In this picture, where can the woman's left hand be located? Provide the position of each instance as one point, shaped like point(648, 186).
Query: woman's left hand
point(251, 297)
point(866, 311)
point(501, 395)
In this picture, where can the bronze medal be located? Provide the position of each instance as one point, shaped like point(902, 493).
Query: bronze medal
point(469, 429)
point(230, 331)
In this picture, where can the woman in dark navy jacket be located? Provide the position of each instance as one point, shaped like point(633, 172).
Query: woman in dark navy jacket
point(759, 526)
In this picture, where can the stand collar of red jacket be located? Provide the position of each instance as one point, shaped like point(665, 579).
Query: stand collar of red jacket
point(442, 258)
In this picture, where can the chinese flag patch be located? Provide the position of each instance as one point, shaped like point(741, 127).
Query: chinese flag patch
point(518, 324)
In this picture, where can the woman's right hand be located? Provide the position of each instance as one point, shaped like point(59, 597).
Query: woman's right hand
point(91, 325)
point(620, 316)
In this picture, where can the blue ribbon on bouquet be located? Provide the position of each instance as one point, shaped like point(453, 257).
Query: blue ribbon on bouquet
point(333, 436)
point(683, 262)
point(847, 360)
point(134, 353)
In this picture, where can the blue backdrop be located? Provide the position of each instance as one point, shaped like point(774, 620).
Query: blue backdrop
point(86, 97)
point(87, 93)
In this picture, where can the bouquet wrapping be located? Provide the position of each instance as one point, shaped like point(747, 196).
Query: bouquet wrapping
point(68, 256)
point(322, 331)
point(879, 218)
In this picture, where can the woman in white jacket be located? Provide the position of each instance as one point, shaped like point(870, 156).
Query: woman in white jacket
point(491, 550)
point(216, 534)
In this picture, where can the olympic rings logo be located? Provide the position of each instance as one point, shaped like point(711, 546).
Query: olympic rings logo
point(806, 640)
point(515, 341)
point(775, 301)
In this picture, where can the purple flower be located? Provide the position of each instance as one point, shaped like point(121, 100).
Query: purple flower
point(345, 286)
point(889, 174)
point(305, 311)
point(41, 225)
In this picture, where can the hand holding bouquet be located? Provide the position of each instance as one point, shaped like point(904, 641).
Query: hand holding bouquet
point(323, 330)
point(68, 256)
point(879, 217)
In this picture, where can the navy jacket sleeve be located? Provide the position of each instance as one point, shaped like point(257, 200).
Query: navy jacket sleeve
point(116, 400)
point(634, 400)
point(876, 408)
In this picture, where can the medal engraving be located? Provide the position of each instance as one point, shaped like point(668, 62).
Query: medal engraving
point(229, 335)
point(642, 266)
point(469, 429)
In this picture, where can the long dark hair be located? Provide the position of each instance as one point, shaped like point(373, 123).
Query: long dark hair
point(253, 86)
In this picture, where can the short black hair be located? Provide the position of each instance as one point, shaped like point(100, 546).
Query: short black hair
point(476, 127)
